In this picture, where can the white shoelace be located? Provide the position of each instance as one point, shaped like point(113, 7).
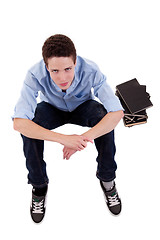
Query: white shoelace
point(38, 206)
point(113, 200)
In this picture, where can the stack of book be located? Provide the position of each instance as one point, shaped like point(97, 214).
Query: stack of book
point(135, 100)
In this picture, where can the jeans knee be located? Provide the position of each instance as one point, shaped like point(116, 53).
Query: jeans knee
point(98, 113)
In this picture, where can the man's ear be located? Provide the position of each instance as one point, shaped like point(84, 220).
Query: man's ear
point(75, 62)
point(47, 67)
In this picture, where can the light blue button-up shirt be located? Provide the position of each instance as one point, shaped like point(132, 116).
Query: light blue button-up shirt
point(88, 82)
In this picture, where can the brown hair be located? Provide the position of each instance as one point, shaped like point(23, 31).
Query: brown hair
point(58, 46)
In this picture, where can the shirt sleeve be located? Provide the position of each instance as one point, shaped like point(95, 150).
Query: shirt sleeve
point(105, 94)
point(27, 103)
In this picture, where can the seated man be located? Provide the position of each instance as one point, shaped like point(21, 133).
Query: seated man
point(67, 84)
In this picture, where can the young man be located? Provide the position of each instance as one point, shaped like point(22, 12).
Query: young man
point(66, 83)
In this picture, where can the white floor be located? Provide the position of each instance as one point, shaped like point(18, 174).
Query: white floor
point(127, 34)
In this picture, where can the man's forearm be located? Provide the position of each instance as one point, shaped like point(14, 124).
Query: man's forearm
point(106, 125)
point(32, 130)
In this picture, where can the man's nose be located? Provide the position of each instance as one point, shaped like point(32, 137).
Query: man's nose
point(61, 76)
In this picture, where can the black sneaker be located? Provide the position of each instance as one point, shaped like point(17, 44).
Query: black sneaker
point(38, 207)
point(112, 199)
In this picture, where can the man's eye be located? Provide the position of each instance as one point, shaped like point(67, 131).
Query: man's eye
point(55, 71)
point(68, 69)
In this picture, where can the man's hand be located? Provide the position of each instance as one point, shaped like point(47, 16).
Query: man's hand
point(68, 152)
point(75, 142)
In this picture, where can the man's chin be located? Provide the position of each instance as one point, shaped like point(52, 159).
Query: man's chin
point(65, 87)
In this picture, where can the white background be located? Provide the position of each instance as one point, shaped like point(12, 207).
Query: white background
point(122, 37)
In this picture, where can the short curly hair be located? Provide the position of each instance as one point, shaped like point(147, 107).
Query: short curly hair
point(58, 46)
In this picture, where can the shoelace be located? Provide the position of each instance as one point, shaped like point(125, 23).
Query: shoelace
point(113, 200)
point(38, 206)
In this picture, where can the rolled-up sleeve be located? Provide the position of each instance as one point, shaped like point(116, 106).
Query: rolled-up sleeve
point(105, 94)
point(27, 103)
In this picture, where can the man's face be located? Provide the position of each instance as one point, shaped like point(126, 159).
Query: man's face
point(61, 70)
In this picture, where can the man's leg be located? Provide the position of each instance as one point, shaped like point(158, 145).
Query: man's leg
point(33, 151)
point(48, 117)
point(89, 114)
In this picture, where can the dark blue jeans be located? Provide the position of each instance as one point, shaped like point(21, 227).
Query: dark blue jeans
point(87, 114)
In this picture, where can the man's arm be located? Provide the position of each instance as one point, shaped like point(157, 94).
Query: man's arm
point(32, 130)
point(106, 125)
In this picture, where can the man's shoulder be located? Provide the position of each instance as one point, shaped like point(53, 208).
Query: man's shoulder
point(39, 70)
point(84, 64)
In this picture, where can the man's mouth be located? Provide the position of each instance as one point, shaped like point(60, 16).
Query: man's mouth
point(64, 84)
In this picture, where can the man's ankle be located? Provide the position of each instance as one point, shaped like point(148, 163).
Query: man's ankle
point(40, 191)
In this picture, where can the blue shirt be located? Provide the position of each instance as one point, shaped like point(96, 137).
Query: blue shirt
point(88, 82)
